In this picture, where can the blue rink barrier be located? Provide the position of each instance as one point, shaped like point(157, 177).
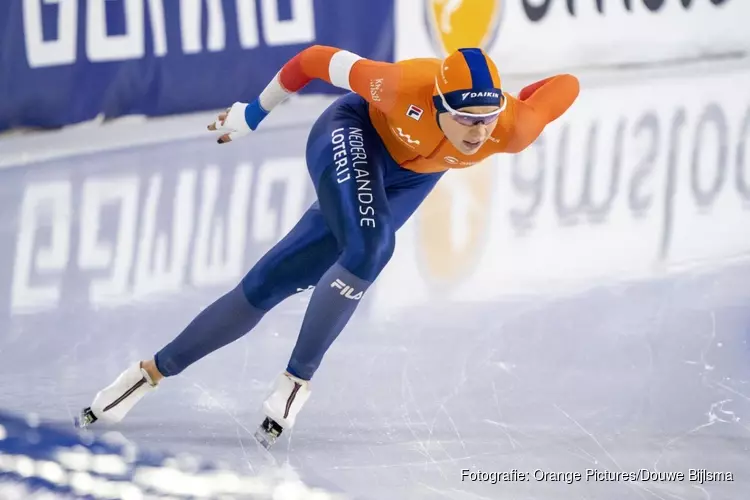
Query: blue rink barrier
point(42, 460)
point(64, 62)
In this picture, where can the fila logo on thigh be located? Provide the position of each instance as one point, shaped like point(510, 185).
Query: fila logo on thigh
point(346, 290)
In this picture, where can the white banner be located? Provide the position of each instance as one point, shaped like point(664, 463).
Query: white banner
point(636, 180)
point(531, 36)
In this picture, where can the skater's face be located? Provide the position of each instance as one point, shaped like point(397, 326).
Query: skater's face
point(466, 132)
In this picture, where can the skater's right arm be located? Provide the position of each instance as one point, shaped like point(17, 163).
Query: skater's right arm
point(377, 82)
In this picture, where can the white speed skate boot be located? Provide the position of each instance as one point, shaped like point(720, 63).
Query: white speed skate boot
point(112, 403)
point(282, 407)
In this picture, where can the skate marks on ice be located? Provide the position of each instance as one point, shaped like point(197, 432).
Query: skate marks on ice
point(651, 377)
point(38, 460)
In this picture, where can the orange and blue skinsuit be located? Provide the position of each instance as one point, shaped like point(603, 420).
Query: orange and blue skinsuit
point(373, 156)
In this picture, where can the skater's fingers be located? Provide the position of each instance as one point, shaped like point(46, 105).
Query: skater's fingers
point(219, 121)
point(233, 122)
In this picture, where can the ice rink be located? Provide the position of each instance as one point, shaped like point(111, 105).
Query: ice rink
point(585, 306)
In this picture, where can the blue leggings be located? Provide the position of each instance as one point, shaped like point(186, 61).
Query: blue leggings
point(339, 246)
point(363, 198)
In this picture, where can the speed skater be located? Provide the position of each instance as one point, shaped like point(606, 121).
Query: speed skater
point(373, 156)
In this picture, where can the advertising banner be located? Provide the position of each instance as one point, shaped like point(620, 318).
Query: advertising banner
point(67, 61)
point(539, 36)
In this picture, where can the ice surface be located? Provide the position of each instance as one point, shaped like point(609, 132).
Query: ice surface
point(106, 256)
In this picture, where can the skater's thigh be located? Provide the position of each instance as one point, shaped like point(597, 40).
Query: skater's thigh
point(294, 264)
point(355, 206)
point(347, 160)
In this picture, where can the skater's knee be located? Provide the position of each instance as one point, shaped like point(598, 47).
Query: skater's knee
point(367, 257)
point(254, 287)
point(262, 289)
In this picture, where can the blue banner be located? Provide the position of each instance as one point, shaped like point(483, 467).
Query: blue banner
point(67, 61)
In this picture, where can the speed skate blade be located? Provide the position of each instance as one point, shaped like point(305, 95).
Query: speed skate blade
point(266, 440)
point(267, 433)
point(84, 419)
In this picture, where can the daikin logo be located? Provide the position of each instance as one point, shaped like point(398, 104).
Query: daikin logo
point(474, 95)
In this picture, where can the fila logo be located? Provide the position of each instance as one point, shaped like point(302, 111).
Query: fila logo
point(414, 112)
point(346, 290)
point(407, 138)
point(472, 95)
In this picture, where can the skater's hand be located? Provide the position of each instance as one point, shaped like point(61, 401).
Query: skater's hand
point(231, 122)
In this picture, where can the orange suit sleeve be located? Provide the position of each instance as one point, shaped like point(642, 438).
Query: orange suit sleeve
point(376, 81)
point(538, 105)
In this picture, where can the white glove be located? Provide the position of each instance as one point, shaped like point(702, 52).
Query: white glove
point(232, 122)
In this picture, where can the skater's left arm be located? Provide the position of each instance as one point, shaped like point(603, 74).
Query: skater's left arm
point(538, 105)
